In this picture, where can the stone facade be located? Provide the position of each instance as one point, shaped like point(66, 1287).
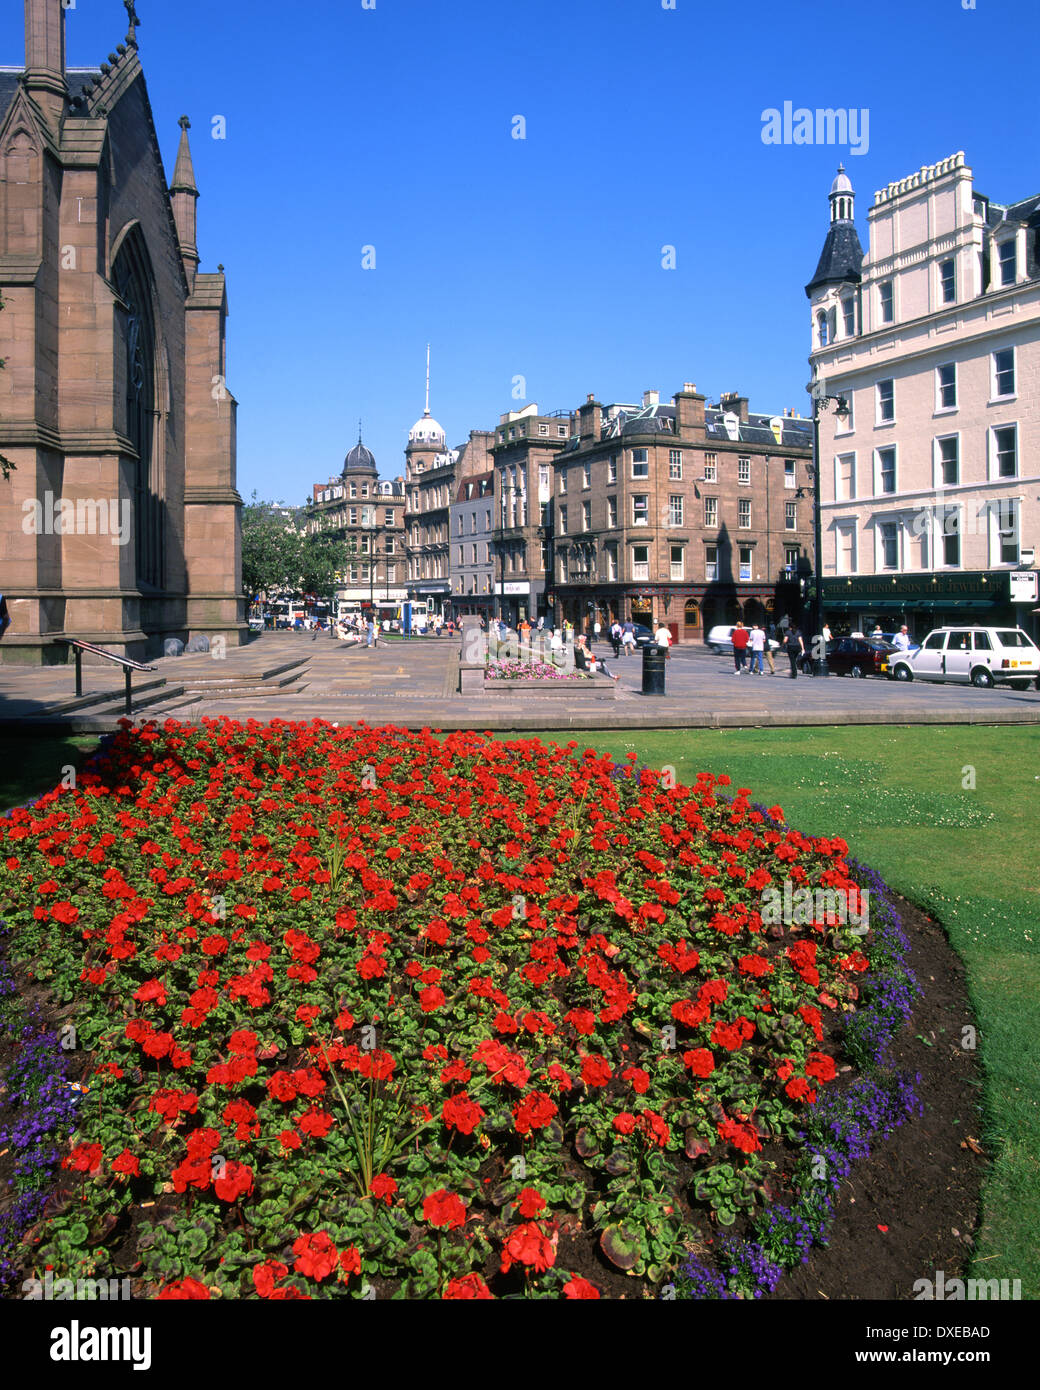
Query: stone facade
point(930, 484)
point(472, 539)
point(120, 522)
point(366, 515)
point(686, 514)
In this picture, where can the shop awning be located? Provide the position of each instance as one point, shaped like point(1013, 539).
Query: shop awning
point(902, 605)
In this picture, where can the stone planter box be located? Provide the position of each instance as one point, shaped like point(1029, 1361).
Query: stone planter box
point(595, 688)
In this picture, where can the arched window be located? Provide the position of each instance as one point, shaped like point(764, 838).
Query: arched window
point(821, 325)
point(136, 344)
point(691, 614)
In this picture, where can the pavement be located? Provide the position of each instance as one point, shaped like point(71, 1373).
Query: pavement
point(299, 676)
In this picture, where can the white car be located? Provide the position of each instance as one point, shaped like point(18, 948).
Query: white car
point(720, 639)
point(984, 656)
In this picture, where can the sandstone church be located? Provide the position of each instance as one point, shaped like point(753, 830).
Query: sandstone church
point(120, 521)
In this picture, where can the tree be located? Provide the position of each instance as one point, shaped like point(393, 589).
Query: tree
point(321, 561)
point(272, 551)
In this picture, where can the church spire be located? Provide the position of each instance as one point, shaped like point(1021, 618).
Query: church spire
point(45, 57)
point(184, 195)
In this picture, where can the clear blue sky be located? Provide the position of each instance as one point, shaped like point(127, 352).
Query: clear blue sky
point(542, 257)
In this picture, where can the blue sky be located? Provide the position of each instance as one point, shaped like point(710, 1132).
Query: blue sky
point(392, 127)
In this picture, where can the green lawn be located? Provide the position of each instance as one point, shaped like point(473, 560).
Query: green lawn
point(903, 799)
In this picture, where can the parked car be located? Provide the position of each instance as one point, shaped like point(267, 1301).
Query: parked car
point(857, 656)
point(644, 635)
point(984, 656)
point(720, 639)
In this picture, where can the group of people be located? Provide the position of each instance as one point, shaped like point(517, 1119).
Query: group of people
point(754, 641)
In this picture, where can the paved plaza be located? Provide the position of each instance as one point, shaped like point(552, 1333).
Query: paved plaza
point(300, 676)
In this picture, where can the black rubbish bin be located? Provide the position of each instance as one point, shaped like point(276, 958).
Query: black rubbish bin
point(654, 658)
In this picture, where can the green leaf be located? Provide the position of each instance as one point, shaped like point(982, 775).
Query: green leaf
point(622, 1246)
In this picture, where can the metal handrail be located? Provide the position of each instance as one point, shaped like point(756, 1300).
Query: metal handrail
point(128, 664)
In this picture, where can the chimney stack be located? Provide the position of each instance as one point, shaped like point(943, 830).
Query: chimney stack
point(689, 409)
point(735, 402)
point(590, 417)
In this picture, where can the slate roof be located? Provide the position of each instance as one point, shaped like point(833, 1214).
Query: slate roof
point(77, 79)
point(841, 257)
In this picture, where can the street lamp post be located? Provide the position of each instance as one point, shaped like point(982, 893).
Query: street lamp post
point(820, 401)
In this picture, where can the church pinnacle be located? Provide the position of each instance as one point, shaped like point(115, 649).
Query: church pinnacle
point(184, 195)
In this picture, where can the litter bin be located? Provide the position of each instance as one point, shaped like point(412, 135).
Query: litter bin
point(653, 669)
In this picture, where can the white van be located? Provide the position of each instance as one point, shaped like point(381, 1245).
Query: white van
point(982, 655)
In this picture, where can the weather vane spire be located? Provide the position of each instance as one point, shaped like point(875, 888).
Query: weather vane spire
point(427, 410)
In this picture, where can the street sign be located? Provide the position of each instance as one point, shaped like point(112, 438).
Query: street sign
point(1023, 586)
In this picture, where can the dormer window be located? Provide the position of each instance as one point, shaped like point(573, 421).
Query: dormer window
point(1007, 254)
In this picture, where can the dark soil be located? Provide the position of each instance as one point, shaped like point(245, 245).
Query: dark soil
point(922, 1184)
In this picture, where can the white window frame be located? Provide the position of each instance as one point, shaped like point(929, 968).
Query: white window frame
point(561, 513)
point(879, 419)
point(586, 516)
point(676, 509)
point(612, 469)
point(1013, 393)
point(675, 465)
point(890, 285)
point(995, 561)
point(641, 515)
point(749, 564)
point(940, 408)
point(711, 468)
point(994, 474)
point(846, 528)
point(879, 491)
point(847, 303)
point(711, 504)
point(790, 473)
point(743, 468)
point(744, 514)
point(638, 565)
point(838, 483)
point(677, 568)
point(952, 261)
point(937, 460)
point(711, 567)
point(586, 476)
point(880, 566)
point(641, 463)
point(612, 513)
point(790, 516)
point(1011, 241)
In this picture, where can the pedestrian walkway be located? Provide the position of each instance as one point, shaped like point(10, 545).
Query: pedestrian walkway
point(300, 676)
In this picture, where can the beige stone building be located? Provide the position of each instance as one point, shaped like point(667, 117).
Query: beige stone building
point(120, 522)
point(687, 513)
point(366, 515)
point(930, 484)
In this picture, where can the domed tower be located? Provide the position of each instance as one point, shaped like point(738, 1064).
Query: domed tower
point(834, 289)
point(360, 460)
point(425, 439)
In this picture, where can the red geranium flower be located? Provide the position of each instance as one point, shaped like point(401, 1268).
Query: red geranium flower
point(127, 1163)
point(595, 1071)
point(316, 1255)
point(236, 1182)
point(185, 1288)
point(530, 1246)
point(84, 1158)
point(350, 1260)
point(467, 1286)
point(444, 1208)
point(577, 1287)
point(461, 1113)
point(383, 1187)
point(530, 1202)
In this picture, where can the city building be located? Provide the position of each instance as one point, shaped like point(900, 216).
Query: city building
point(526, 447)
point(472, 536)
point(930, 500)
point(120, 519)
point(432, 475)
point(366, 515)
point(689, 514)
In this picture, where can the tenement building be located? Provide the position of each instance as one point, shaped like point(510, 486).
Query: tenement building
point(365, 516)
point(930, 497)
point(526, 447)
point(472, 564)
point(120, 521)
point(689, 514)
point(432, 475)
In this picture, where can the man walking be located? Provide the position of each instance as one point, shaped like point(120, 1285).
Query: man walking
point(902, 639)
point(740, 646)
point(758, 645)
point(663, 638)
point(795, 649)
point(615, 637)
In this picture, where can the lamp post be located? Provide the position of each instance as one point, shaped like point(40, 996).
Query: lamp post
point(820, 401)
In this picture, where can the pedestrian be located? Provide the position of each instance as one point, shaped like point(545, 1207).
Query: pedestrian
point(628, 638)
point(795, 649)
point(902, 639)
point(758, 643)
point(663, 638)
point(597, 630)
point(615, 637)
point(525, 632)
point(877, 634)
point(741, 637)
point(370, 629)
point(541, 623)
point(827, 634)
point(556, 646)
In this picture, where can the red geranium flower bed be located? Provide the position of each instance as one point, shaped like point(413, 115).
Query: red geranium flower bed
point(439, 1015)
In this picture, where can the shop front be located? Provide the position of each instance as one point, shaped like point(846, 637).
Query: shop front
point(990, 598)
